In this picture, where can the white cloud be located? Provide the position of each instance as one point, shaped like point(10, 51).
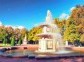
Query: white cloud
point(14, 27)
point(1, 23)
point(72, 8)
point(20, 27)
point(64, 16)
point(7, 25)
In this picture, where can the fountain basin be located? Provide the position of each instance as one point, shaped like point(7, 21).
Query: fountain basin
point(18, 51)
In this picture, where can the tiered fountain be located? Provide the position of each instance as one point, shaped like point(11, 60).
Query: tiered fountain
point(50, 38)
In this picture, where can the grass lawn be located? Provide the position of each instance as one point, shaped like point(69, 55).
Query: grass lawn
point(4, 45)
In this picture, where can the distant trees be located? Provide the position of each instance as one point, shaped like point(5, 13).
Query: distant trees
point(75, 25)
point(3, 32)
point(23, 32)
point(6, 34)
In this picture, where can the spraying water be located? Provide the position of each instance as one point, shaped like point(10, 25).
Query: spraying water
point(51, 38)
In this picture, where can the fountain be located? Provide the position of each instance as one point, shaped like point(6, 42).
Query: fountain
point(50, 38)
point(50, 44)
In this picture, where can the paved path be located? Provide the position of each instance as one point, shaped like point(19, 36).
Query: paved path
point(29, 46)
point(72, 59)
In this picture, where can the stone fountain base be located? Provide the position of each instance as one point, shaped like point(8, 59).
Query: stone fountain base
point(59, 50)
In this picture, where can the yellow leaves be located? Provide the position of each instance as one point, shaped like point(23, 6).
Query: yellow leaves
point(70, 33)
point(78, 14)
point(33, 32)
point(82, 38)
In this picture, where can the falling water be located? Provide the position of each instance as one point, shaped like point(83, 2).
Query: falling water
point(50, 29)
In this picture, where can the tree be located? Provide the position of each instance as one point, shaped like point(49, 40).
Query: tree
point(12, 41)
point(3, 32)
point(17, 34)
point(73, 37)
point(10, 31)
point(66, 34)
point(20, 41)
point(75, 25)
point(71, 33)
point(61, 25)
point(33, 32)
point(78, 16)
point(23, 32)
point(4, 41)
point(82, 38)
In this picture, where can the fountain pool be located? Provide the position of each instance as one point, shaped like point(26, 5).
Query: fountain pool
point(26, 53)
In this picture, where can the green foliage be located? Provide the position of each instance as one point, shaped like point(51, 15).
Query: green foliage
point(4, 41)
point(70, 33)
point(12, 41)
point(3, 32)
point(66, 34)
point(19, 42)
point(9, 32)
point(73, 37)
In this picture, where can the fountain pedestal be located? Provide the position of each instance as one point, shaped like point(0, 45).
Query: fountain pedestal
point(25, 40)
point(46, 45)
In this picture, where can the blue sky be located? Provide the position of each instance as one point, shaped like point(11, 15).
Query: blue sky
point(28, 13)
